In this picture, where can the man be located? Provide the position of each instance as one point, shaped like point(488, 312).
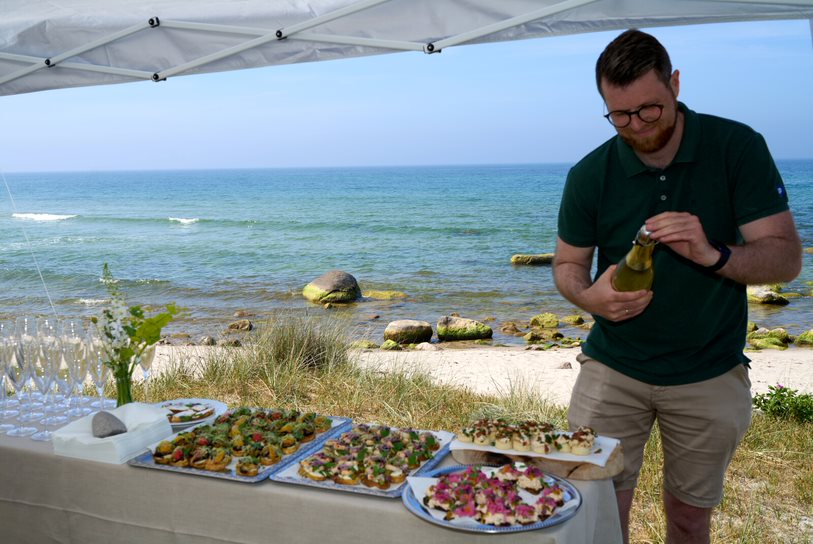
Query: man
point(708, 191)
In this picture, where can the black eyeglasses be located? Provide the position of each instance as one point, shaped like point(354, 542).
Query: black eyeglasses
point(648, 114)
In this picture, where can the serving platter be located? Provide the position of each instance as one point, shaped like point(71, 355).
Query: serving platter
point(417, 487)
point(290, 473)
point(193, 406)
point(147, 460)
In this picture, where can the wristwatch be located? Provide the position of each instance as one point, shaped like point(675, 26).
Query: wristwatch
point(725, 254)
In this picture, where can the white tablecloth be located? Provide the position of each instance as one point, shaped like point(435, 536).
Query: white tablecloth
point(47, 498)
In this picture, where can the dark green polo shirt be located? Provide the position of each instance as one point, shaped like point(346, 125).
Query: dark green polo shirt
point(695, 327)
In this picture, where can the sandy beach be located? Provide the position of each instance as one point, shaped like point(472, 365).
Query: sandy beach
point(499, 370)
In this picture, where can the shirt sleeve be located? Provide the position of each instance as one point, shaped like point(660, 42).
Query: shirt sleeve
point(577, 211)
point(758, 190)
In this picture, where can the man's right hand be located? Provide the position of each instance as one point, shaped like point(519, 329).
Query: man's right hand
point(602, 299)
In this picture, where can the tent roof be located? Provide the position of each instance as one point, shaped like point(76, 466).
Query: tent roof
point(48, 44)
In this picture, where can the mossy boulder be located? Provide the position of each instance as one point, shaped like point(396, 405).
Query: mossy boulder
point(451, 328)
point(364, 344)
point(510, 328)
point(573, 320)
point(384, 295)
point(546, 320)
point(763, 338)
point(332, 286)
point(768, 343)
point(532, 260)
point(408, 331)
point(805, 339)
point(539, 336)
point(751, 327)
point(241, 326)
point(766, 294)
point(391, 345)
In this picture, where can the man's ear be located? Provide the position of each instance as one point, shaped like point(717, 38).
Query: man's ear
point(674, 82)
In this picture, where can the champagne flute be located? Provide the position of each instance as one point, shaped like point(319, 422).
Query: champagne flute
point(28, 347)
point(99, 371)
point(44, 370)
point(77, 361)
point(17, 374)
point(145, 362)
point(6, 354)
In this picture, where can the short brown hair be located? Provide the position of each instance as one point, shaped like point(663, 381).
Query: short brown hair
point(631, 55)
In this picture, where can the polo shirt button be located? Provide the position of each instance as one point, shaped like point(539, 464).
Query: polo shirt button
point(663, 197)
point(663, 178)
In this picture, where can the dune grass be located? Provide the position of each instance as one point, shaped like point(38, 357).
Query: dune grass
point(303, 363)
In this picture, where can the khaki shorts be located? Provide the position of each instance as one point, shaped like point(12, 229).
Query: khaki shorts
point(701, 425)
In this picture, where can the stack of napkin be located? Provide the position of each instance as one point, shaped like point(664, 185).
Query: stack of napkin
point(146, 424)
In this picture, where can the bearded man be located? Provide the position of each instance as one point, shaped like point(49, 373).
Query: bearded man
point(709, 192)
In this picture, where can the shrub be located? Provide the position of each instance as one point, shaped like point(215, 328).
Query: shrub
point(784, 403)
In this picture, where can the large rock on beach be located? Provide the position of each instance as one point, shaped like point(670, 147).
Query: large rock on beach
point(805, 339)
point(532, 260)
point(546, 320)
point(452, 328)
point(766, 294)
point(408, 331)
point(763, 338)
point(332, 286)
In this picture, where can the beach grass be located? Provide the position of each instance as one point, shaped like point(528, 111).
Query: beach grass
point(303, 363)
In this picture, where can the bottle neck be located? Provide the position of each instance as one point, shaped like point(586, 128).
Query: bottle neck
point(640, 256)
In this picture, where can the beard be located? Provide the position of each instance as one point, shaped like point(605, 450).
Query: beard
point(654, 143)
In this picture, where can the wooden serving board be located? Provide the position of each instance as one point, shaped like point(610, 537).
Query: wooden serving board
point(574, 470)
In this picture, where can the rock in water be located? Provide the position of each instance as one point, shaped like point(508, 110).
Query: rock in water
point(461, 328)
point(408, 331)
point(333, 286)
point(105, 424)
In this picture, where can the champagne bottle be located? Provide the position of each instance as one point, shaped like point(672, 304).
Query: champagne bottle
point(635, 272)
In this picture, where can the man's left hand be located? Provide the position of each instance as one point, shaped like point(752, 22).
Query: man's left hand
point(683, 233)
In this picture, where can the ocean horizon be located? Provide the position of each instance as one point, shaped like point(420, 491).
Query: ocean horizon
point(219, 241)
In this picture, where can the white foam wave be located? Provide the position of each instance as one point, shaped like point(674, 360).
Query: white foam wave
point(41, 216)
point(184, 220)
point(92, 301)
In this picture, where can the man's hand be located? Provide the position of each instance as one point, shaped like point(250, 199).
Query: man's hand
point(611, 304)
point(571, 270)
point(771, 251)
point(684, 235)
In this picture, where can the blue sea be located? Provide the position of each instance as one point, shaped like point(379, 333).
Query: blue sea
point(218, 241)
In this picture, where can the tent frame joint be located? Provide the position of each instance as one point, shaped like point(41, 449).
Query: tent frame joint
point(154, 22)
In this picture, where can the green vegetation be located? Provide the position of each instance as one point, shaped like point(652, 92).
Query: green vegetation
point(781, 402)
point(307, 364)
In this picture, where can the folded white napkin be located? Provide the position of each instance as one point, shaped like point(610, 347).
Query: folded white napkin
point(146, 424)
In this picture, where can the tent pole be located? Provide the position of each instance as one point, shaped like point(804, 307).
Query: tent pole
point(508, 23)
point(39, 64)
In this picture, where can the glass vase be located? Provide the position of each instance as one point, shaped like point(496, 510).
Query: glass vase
point(124, 388)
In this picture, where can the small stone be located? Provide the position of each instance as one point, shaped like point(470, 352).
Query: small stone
point(207, 341)
point(242, 325)
point(565, 365)
point(105, 424)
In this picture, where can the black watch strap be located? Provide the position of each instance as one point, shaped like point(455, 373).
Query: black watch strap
point(725, 254)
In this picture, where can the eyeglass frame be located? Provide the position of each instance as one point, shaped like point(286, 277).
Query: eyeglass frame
point(635, 112)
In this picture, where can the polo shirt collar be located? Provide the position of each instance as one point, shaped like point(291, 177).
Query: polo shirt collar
point(687, 152)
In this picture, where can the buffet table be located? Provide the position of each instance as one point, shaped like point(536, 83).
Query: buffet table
point(48, 498)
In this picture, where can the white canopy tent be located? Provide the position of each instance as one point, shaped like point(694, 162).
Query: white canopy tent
point(48, 44)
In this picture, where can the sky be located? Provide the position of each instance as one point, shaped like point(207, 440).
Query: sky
point(529, 101)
